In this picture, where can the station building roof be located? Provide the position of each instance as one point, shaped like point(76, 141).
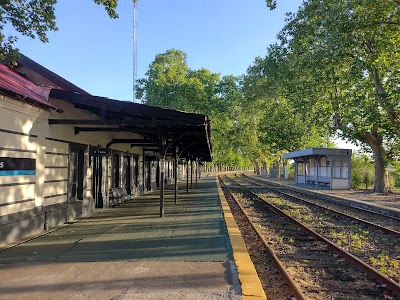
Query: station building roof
point(13, 84)
point(163, 129)
point(318, 152)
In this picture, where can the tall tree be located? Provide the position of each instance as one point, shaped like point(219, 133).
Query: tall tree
point(234, 124)
point(282, 126)
point(165, 81)
point(345, 60)
point(170, 83)
point(32, 18)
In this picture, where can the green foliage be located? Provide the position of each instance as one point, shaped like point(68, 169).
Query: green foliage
point(385, 264)
point(170, 83)
point(166, 81)
point(283, 128)
point(110, 6)
point(249, 120)
point(283, 125)
point(342, 63)
point(271, 4)
point(362, 169)
point(334, 71)
point(394, 175)
point(32, 18)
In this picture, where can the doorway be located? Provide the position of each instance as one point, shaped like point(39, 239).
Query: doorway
point(128, 175)
point(136, 171)
point(97, 180)
point(76, 172)
point(148, 175)
point(158, 173)
point(116, 170)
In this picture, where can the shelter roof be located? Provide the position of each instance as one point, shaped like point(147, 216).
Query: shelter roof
point(162, 128)
point(318, 152)
point(18, 86)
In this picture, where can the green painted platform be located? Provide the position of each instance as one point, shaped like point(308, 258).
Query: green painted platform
point(192, 230)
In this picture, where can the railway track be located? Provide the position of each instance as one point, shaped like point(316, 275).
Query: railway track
point(315, 267)
point(349, 227)
point(380, 218)
point(385, 223)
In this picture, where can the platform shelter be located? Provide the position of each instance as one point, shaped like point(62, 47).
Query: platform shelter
point(322, 167)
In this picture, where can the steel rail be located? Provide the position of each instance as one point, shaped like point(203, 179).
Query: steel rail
point(336, 202)
point(378, 276)
point(292, 285)
point(382, 228)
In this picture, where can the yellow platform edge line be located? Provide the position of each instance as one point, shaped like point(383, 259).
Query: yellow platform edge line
point(248, 277)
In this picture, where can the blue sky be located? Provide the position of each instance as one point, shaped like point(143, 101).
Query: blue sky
point(95, 52)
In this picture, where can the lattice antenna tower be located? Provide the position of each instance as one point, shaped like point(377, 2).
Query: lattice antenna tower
point(134, 49)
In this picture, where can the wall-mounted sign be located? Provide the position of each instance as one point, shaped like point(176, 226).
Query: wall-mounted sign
point(98, 151)
point(150, 158)
point(10, 166)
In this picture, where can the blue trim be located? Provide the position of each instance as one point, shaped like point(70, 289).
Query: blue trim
point(17, 172)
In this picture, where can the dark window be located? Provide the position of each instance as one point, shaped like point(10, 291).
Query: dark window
point(77, 173)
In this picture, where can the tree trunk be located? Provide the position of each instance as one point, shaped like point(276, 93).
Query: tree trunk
point(279, 166)
point(255, 167)
point(265, 168)
point(381, 181)
point(381, 95)
point(381, 185)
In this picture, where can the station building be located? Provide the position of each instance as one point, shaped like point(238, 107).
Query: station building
point(322, 167)
point(64, 152)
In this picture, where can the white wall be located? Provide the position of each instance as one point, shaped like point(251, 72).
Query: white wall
point(18, 130)
point(25, 133)
point(340, 184)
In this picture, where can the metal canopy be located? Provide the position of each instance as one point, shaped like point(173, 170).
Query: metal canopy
point(162, 128)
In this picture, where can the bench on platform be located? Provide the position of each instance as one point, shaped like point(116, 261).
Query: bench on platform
point(320, 183)
point(322, 180)
point(118, 195)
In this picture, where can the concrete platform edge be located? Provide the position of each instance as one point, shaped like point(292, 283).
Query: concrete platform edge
point(249, 280)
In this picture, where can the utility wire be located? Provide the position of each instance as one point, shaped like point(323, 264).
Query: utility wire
point(219, 37)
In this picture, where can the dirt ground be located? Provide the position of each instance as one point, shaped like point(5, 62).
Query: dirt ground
point(389, 200)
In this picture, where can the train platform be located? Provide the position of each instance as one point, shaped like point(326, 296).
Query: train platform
point(129, 252)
